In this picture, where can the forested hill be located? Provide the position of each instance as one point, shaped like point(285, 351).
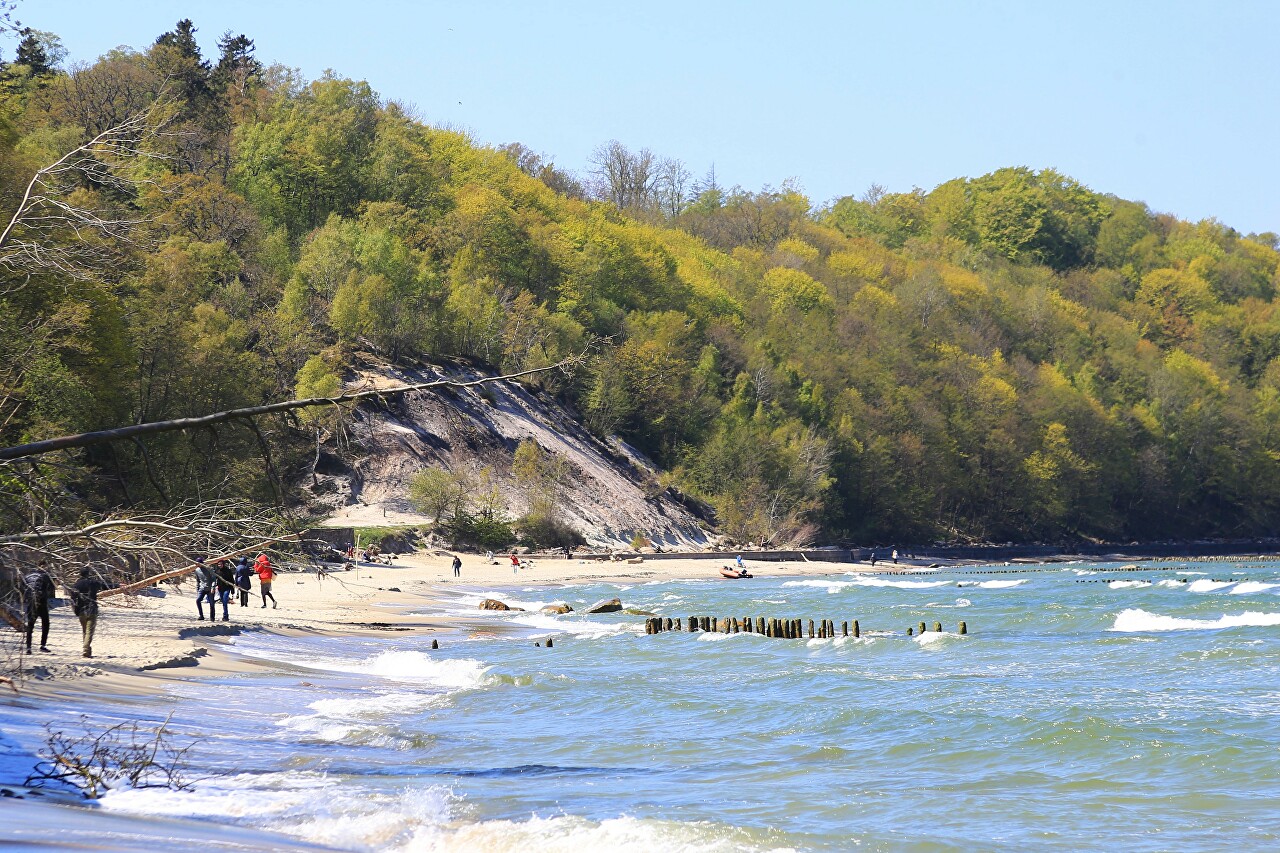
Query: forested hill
point(1014, 356)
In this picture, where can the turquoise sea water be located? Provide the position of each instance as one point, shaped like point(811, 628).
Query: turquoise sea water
point(1087, 708)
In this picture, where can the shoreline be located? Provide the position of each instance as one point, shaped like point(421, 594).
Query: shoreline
point(152, 633)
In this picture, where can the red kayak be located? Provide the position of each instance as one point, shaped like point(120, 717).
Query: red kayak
point(727, 572)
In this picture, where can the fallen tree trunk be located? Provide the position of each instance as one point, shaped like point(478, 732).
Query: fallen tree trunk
point(185, 570)
point(85, 439)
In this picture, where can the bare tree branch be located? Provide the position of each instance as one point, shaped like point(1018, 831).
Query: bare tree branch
point(51, 231)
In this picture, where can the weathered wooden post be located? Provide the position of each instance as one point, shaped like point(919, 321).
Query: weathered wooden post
point(435, 644)
point(715, 624)
point(810, 629)
point(648, 626)
point(857, 632)
point(760, 625)
point(908, 632)
point(964, 628)
point(844, 629)
point(937, 626)
point(693, 624)
point(666, 624)
point(921, 627)
point(676, 625)
point(549, 642)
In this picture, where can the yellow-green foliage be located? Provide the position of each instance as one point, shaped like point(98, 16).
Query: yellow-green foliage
point(1011, 355)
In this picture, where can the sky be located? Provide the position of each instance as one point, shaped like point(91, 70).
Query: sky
point(1173, 103)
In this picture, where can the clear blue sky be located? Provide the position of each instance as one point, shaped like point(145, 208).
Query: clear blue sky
point(1173, 103)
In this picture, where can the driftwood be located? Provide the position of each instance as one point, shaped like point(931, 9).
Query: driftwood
point(185, 570)
point(85, 439)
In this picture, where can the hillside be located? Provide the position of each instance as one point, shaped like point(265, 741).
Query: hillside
point(1014, 356)
point(609, 496)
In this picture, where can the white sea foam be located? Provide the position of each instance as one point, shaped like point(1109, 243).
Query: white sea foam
point(715, 637)
point(1129, 584)
point(320, 809)
point(829, 586)
point(899, 584)
point(338, 719)
point(471, 602)
point(1009, 584)
point(931, 638)
point(1206, 585)
point(1083, 572)
point(410, 666)
point(310, 806)
point(1171, 584)
point(571, 834)
point(574, 626)
point(1134, 619)
point(1250, 587)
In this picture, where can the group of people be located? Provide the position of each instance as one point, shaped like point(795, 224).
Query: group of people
point(38, 590)
point(215, 582)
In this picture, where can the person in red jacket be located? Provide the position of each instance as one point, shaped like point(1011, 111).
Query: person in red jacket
point(265, 575)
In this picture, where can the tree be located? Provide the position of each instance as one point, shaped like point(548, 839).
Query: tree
point(624, 177)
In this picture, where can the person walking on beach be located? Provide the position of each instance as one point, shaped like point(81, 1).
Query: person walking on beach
point(266, 574)
point(226, 580)
point(206, 582)
point(457, 566)
point(84, 603)
point(873, 559)
point(244, 583)
point(895, 556)
point(37, 589)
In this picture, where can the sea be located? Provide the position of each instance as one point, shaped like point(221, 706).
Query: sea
point(1089, 706)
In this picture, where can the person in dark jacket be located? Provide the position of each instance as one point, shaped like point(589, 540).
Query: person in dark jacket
point(206, 582)
point(84, 601)
point(37, 589)
point(226, 580)
point(244, 580)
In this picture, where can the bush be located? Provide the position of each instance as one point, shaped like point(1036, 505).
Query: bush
point(540, 531)
point(489, 533)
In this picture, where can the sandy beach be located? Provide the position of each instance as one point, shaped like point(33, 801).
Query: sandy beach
point(160, 631)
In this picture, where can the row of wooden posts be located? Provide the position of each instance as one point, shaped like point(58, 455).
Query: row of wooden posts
point(790, 629)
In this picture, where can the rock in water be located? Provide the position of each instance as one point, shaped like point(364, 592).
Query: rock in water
point(557, 609)
point(635, 611)
point(493, 604)
point(610, 605)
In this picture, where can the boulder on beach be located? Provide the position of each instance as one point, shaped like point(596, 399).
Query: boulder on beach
point(493, 604)
point(557, 609)
point(608, 605)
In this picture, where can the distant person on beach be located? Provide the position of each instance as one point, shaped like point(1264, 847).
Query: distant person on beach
point(266, 573)
point(37, 589)
point(873, 558)
point(244, 580)
point(738, 562)
point(457, 566)
point(895, 556)
point(226, 580)
point(84, 603)
point(206, 582)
